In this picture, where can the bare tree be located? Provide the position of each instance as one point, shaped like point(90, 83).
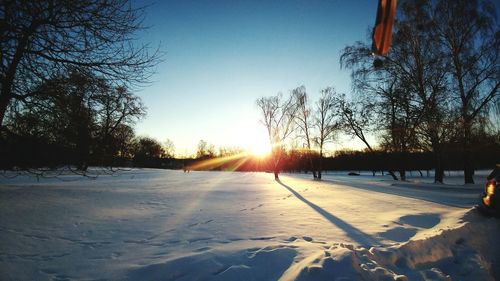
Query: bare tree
point(304, 121)
point(398, 123)
point(355, 118)
point(169, 148)
point(278, 114)
point(469, 35)
point(81, 113)
point(205, 150)
point(408, 85)
point(326, 122)
point(124, 141)
point(228, 151)
point(42, 39)
point(147, 150)
point(417, 62)
point(114, 106)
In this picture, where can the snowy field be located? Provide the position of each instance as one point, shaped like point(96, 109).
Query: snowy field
point(169, 225)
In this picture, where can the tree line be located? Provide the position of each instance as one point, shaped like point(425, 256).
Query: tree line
point(69, 69)
point(436, 88)
point(67, 73)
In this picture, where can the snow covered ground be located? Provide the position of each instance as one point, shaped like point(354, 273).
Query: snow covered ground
point(168, 225)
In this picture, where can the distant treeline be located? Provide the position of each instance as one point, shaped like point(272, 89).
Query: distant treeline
point(23, 152)
point(431, 103)
point(296, 161)
point(436, 90)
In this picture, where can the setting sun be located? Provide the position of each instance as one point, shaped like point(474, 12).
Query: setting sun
point(256, 141)
point(260, 149)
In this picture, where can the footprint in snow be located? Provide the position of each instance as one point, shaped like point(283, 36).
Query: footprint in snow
point(257, 207)
point(198, 223)
point(307, 238)
point(202, 249)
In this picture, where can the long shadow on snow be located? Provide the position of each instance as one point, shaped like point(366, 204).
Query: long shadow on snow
point(444, 197)
point(357, 235)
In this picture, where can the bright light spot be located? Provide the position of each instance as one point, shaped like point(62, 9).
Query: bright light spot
point(257, 142)
point(260, 149)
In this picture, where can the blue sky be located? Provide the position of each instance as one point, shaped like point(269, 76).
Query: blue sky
point(220, 56)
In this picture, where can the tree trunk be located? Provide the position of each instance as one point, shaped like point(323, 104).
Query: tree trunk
point(467, 153)
point(311, 163)
point(468, 166)
point(392, 175)
point(402, 175)
point(439, 169)
point(438, 162)
point(439, 175)
point(320, 166)
point(4, 102)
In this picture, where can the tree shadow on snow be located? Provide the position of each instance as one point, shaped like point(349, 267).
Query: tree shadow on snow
point(433, 195)
point(357, 235)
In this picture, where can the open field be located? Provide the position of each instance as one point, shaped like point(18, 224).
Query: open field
point(169, 225)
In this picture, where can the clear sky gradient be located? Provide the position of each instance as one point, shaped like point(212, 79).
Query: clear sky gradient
point(220, 56)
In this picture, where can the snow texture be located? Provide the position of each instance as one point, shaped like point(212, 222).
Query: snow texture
point(150, 224)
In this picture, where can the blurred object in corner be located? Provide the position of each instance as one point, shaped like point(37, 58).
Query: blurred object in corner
point(490, 199)
point(382, 32)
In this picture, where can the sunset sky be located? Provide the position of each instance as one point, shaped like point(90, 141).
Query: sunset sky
point(220, 56)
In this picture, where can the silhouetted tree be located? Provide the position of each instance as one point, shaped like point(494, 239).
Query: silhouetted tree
point(44, 39)
point(147, 150)
point(398, 124)
point(225, 151)
point(205, 150)
point(123, 141)
point(417, 60)
point(169, 148)
point(113, 106)
point(304, 121)
point(357, 120)
point(278, 114)
point(410, 83)
point(470, 38)
point(84, 114)
point(326, 122)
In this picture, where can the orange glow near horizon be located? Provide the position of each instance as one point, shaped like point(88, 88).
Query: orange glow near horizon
point(209, 164)
point(260, 150)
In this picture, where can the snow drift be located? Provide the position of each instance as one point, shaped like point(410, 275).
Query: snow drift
point(468, 252)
